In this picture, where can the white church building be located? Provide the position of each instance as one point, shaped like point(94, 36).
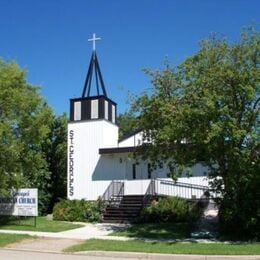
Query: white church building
point(101, 165)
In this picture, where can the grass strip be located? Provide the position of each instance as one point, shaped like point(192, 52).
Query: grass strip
point(155, 230)
point(168, 248)
point(6, 239)
point(42, 224)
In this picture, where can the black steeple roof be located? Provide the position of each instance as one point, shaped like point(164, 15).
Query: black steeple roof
point(94, 71)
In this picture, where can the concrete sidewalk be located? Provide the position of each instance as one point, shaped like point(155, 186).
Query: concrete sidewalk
point(99, 230)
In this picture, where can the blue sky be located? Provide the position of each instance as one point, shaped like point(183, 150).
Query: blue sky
point(49, 38)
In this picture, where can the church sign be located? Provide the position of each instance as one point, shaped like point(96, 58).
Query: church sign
point(22, 202)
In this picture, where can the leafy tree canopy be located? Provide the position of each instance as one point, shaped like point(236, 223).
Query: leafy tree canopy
point(23, 126)
point(126, 122)
point(55, 149)
point(207, 109)
point(32, 139)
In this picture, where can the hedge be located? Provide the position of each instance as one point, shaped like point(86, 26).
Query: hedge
point(171, 209)
point(78, 210)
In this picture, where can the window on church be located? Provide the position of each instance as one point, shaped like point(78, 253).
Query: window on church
point(94, 108)
point(134, 170)
point(149, 170)
point(77, 111)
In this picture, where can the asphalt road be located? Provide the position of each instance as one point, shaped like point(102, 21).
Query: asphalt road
point(26, 255)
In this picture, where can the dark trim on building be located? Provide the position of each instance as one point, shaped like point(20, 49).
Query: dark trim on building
point(117, 150)
point(128, 149)
point(85, 110)
point(109, 111)
point(101, 106)
point(89, 120)
point(71, 111)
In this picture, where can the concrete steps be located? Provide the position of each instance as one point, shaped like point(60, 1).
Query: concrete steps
point(126, 211)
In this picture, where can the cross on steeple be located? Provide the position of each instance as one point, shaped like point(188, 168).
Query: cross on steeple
point(94, 71)
point(94, 39)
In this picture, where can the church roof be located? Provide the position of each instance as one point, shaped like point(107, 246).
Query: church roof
point(132, 133)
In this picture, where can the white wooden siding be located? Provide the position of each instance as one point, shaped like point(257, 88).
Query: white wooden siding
point(89, 136)
point(136, 187)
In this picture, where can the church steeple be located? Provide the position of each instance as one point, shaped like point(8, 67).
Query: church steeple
point(93, 107)
point(94, 69)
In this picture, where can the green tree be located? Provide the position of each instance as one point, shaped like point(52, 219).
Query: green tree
point(126, 122)
point(24, 126)
point(55, 149)
point(208, 109)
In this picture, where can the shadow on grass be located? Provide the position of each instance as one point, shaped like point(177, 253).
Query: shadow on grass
point(16, 221)
point(156, 231)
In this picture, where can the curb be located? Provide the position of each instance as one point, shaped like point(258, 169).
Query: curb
point(156, 256)
point(138, 255)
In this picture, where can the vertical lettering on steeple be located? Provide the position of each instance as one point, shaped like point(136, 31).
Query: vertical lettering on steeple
point(71, 163)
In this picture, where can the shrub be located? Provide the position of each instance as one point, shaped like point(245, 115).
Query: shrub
point(171, 209)
point(78, 210)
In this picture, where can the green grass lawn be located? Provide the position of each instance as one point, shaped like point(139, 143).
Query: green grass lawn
point(42, 224)
point(6, 239)
point(156, 230)
point(168, 248)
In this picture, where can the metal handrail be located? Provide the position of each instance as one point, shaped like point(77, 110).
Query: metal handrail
point(150, 192)
point(120, 193)
point(183, 184)
point(186, 190)
point(114, 189)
